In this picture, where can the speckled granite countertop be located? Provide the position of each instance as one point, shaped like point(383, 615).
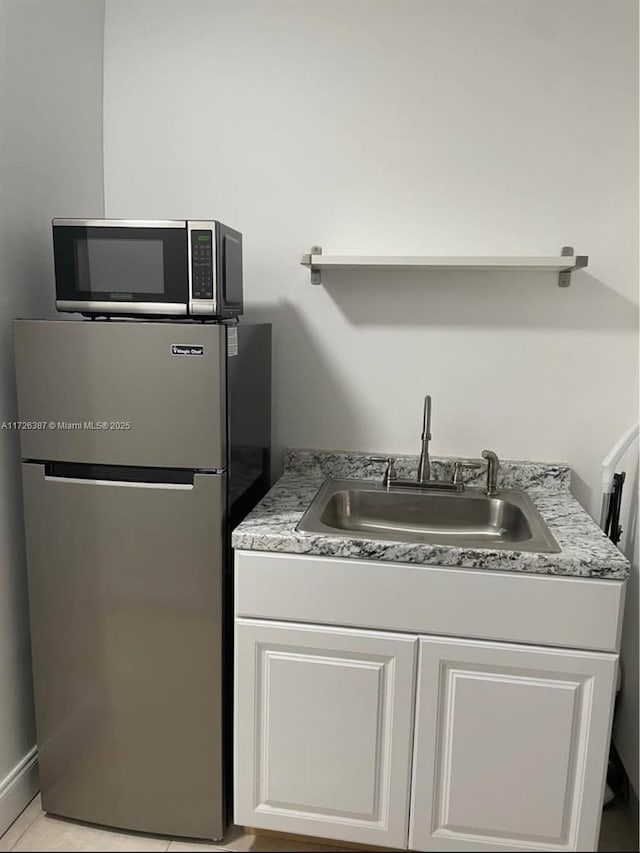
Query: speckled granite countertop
point(585, 550)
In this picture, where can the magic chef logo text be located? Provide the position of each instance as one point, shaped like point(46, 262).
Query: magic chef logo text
point(186, 349)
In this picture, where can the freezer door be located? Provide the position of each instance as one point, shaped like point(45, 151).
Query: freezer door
point(125, 604)
point(122, 392)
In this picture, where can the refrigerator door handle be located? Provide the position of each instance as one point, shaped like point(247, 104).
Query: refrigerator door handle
point(131, 484)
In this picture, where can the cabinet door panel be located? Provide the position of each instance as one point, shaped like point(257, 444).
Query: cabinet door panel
point(324, 723)
point(511, 746)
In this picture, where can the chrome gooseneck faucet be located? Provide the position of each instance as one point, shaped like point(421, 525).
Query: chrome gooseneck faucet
point(424, 466)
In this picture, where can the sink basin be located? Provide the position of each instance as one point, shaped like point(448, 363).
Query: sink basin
point(470, 519)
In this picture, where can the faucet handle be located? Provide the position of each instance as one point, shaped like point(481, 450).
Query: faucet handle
point(458, 466)
point(493, 466)
point(390, 472)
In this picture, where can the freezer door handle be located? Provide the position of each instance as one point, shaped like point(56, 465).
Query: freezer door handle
point(120, 475)
point(135, 484)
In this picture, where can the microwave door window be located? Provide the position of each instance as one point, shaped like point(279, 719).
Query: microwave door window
point(129, 266)
point(121, 264)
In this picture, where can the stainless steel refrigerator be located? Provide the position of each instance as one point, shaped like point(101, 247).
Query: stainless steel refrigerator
point(143, 443)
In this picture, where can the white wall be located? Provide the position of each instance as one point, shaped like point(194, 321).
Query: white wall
point(416, 126)
point(50, 165)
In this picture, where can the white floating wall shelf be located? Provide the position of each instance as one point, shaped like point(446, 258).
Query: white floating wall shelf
point(564, 264)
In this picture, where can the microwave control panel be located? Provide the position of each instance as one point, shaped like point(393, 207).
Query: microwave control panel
point(201, 264)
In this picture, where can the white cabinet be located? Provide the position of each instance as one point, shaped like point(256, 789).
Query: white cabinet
point(490, 714)
point(324, 731)
point(510, 746)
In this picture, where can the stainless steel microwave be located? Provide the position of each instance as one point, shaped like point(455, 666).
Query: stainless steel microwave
point(130, 267)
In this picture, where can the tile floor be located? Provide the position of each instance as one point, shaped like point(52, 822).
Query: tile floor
point(33, 830)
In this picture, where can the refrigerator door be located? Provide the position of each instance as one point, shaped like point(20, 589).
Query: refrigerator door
point(126, 619)
point(122, 392)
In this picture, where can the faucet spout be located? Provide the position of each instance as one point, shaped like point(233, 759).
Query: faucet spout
point(424, 466)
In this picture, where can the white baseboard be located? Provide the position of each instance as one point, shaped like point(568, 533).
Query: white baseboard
point(18, 788)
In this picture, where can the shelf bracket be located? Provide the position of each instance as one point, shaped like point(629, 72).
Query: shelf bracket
point(307, 261)
point(564, 276)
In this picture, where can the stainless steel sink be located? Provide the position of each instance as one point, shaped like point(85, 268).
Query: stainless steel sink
point(468, 519)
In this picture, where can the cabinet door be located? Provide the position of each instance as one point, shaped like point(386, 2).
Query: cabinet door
point(323, 731)
point(511, 746)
